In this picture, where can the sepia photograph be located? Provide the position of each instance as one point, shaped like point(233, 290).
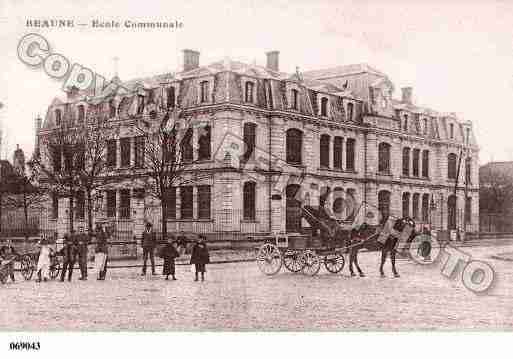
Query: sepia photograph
point(338, 168)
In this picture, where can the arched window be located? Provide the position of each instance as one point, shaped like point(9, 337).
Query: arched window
point(384, 204)
point(384, 157)
point(249, 137)
point(425, 207)
point(204, 91)
point(406, 161)
point(468, 170)
point(81, 113)
point(58, 117)
point(249, 200)
point(415, 162)
point(249, 91)
point(112, 109)
point(186, 146)
point(337, 152)
point(324, 106)
point(294, 99)
point(406, 204)
point(204, 143)
point(452, 165)
point(338, 201)
point(350, 152)
point(425, 163)
point(350, 111)
point(415, 206)
point(325, 151)
point(171, 98)
point(294, 146)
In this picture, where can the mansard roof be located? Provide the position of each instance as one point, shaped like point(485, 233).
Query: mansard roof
point(340, 71)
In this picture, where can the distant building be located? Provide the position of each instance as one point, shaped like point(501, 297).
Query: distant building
point(340, 127)
point(496, 196)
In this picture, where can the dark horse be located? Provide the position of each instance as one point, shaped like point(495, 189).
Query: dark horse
point(367, 237)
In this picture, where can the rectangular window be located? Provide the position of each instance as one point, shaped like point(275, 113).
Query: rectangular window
point(415, 167)
point(111, 153)
point(125, 152)
point(171, 99)
point(204, 91)
point(80, 204)
point(425, 163)
point(451, 130)
point(170, 203)
point(350, 144)
point(55, 206)
point(186, 206)
point(186, 147)
point(204, 143)
point(249, 134)
point(111, 203)
point(337, 153)
point(204, 202)
point(140, 104)
point(468, 210)
point(406, 161)
point(124, 203)
point(139, 151)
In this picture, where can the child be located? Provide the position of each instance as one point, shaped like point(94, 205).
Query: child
point(200, 257)
point(169, 253)
point(43, 264)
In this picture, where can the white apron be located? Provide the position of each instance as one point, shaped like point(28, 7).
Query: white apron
point(43, 263)
point(99, 262)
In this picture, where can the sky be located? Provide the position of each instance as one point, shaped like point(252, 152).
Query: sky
point(457, 54)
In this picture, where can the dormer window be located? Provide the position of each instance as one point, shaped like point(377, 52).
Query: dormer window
point(405, 123)
point(250, 86)
point(171, 99)
point(81, 113)
point(451, 131)
point(58, 117)
point(112, 109)
point(204, 91)
point(350, 111)
point(140, 104)
point(294, 99)
point(324, 107)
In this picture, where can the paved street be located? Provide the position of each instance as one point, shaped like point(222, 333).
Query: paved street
point(238, 297)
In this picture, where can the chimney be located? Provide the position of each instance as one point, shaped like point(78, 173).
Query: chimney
point(273, 60)
point(190, 59)
point(406, 94)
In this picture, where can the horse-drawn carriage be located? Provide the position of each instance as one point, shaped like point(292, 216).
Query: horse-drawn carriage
point(329, 240)
point(27, 265)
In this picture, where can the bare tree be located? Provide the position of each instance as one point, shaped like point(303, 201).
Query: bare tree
point(167, 154)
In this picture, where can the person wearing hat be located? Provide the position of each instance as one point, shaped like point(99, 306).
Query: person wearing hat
point(200, 257)
point(169, 252)
point(8, 253)
point(68, 253)
point(148, 242)
point(82, 240)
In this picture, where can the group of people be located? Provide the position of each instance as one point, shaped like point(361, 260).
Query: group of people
point(200, 256)
point(75, 246)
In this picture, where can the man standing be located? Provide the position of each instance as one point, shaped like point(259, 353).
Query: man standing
point(69, 254)
point(149, 242)
point(83, 242)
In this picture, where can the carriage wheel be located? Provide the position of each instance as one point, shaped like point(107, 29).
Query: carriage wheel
point(334, 263)
point(55, 269)
point(269, 259)
point(27, 267)
point(293, 261)
point(312, 263)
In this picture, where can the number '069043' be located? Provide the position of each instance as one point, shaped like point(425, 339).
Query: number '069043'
point(24, 346)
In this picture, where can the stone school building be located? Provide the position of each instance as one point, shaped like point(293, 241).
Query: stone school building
point(341, 128)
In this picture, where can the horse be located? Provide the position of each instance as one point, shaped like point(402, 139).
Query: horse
point(367, 237)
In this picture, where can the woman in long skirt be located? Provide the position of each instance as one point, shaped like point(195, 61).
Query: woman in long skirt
point(101, 251)
point(169, 252)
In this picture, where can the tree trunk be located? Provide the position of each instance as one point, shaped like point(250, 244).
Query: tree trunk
point(1, 209)
point(89, 211)
point(164, 221)
point(71, 213)
point(25, 213)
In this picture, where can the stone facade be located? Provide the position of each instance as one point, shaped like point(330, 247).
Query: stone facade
point(349, 110)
